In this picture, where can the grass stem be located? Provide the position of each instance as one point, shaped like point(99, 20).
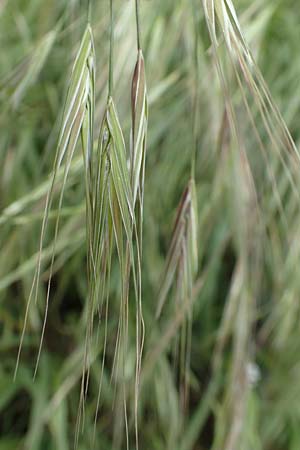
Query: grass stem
point(138, 29)
point(111, 51)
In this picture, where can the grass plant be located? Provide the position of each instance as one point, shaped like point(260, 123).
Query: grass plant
point(149, 230)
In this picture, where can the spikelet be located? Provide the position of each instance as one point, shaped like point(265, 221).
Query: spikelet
point(78, 111)
point(181, 268)
point(182, 258)
point(139, 113)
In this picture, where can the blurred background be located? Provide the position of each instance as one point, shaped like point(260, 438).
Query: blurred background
point(244, 372)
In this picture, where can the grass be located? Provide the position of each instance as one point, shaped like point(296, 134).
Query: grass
point(162, 274)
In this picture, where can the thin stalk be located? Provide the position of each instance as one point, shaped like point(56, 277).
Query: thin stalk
point(111, 51)
point(137, 19)
point(89, 15)
point(196, 97)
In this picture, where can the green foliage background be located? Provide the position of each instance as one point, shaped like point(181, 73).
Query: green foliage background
point(38, 42)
